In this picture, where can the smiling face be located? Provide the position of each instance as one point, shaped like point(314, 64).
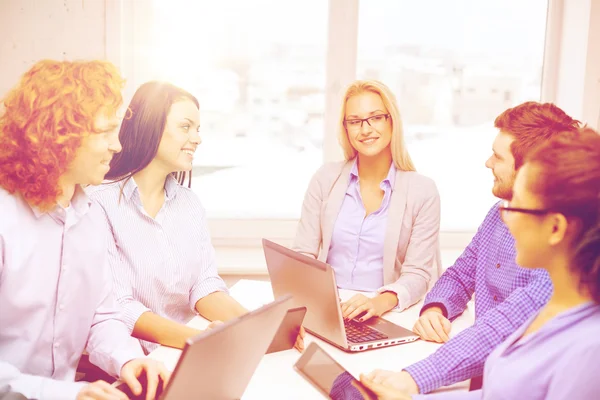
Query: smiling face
point(374, 136)
point(92, 158)
point(502, 164)
point(180, 137)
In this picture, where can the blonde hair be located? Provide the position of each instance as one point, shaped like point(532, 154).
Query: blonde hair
point(400, 155)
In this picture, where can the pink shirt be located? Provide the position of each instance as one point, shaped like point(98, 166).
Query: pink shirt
point(56, 298)
point(356, 250)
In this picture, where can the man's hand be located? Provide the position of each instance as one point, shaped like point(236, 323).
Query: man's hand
point(382, 391)
point(400, 381)
point(300, 340)
point(153, 370)
point(433, 326)
point(100, 390)
point(371, 307)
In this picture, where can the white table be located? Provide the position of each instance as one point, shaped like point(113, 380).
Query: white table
point(275, 377)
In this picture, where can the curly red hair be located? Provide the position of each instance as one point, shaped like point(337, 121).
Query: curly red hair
point(46, 115)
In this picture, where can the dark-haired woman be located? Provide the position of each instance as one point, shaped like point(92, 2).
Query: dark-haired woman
point(161, 255)
point(554, 216)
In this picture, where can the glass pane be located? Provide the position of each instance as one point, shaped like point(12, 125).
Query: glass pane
point(454, 66)
point(258, 70)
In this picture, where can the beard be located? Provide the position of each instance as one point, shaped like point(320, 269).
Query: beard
point(502, 189)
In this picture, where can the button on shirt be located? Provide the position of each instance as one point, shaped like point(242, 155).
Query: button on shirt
point(163, 264)
point(356, 250)
point(558, 362)
point(56, 296)
point(505, 297)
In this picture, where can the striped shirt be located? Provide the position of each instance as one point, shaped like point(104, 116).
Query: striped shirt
point(163, 264)
point(506, 295)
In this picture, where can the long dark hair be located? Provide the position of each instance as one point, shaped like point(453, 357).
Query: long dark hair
point(143, 127)
point(569, 182)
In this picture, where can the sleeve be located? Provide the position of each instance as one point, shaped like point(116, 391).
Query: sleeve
point(208, 280)
point(36, 387)
point(121, 281)
point(576, 377)
point(464, 355)
point(456, 286)
point(420, 261)
point(450, 395)
point(110, 344)
point(308, 234)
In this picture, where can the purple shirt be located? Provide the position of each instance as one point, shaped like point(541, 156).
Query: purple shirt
point(356, 250)
point(506, 295)
point(56, 298)
point(558, 362)
point(163, 264)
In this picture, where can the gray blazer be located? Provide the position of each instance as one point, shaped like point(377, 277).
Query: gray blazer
point(411, 258)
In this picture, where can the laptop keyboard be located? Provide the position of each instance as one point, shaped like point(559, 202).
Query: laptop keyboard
point(360, 333)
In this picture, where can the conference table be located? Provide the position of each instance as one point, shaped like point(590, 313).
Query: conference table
point(275, 377)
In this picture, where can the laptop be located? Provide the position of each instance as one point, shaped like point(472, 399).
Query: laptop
point(219, 363)
point(312, 284)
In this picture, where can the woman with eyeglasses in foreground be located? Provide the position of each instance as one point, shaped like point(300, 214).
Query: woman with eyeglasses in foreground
point(372, 217)
point(554, 217)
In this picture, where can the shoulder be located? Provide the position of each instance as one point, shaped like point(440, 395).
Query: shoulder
point(331, 170)
point(106, 194)
point(9, 209)
point(420, 187)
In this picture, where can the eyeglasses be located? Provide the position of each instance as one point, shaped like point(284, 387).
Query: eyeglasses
point(356, 124)
point(505, 209)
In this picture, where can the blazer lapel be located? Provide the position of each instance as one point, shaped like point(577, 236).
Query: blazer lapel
point(333, 205)
point(394, 225)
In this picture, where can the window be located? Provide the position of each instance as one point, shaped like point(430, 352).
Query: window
point(264, 74)
point(258, 70)
point(454, 66)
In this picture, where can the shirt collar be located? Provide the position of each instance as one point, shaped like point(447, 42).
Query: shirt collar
point(171, 187)
point(80, 204)
point(390, 179)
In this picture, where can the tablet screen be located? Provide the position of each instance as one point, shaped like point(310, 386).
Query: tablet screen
point(324, 372)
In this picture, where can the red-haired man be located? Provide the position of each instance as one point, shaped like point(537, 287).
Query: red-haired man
point(58, 132)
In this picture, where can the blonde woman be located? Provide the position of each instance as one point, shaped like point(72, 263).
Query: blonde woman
point(372, 217)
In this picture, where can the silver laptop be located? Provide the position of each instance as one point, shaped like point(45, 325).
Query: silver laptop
point(219, 363)
point(312, 284)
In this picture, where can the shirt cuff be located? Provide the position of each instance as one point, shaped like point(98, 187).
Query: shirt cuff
point(426, 374)
point(132, 312)
point(441, 306)
point(400, 292)
point(49, 389)
point(203, 290)
point(129, 350)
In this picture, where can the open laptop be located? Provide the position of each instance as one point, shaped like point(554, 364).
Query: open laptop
point(218, 363)
point(312, 284)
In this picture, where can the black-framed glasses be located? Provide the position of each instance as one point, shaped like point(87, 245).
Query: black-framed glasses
point(505, 208)
point(357, 123)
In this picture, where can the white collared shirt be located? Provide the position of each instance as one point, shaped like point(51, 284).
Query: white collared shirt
point(163, 264)
point(56, 298)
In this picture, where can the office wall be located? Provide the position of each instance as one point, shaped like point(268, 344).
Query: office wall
point(31, 30)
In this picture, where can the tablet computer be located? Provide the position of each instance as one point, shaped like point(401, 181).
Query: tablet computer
point(329, 377)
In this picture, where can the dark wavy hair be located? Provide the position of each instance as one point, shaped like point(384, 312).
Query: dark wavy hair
point(143, 127)
point(569, 182)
